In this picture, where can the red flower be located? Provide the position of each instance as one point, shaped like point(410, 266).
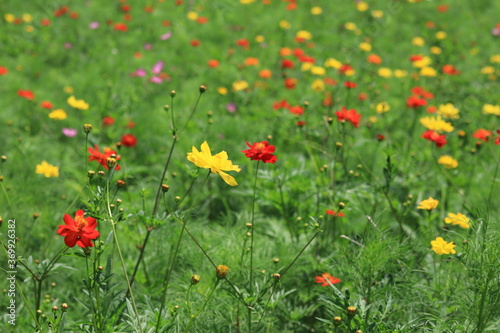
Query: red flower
point(326, 279)
point(45, 22)
point(349, 115)
point(416, 57)
point(46, 105)
point(213, 63)
point(350, 85)
point(298, 110)
point(3, 70)
point(195, 43)
point(306, 58)
point(129, 140)
point(345, 68)
point(290, 83)
point(287, 63)
point(120, 27)
point(283, 104)
point(243, 43)
point(96, 155)
point(380, 137)
point(334, 213)
point(28, 94)
point(107, 121)
point(497, 140)
point(439, 140)
point(482, 134)
point(79, 231)
point(298, 52)
point(261, 151)
point(419, 91)
point(415, 102)
point(301, 123)
point(450, 70)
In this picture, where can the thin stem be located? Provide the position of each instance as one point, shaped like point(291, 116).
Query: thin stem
point(192, 112)
point(299, 254)
point(492, 187)
point(252, 228)
point(191, 320)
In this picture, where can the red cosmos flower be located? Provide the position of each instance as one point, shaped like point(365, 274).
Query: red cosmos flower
point(129, 140)
point(482, 134)
point(380, 137)
point(213, 63)
point(431, 109)
point(329, 81)
point(326, 279)
point(349, 115)
point(298, 52)
point(243, 43)
point(416, 57)
point(46, 105)
point(120, 27)
point(125, 8)
point(301, 123)
point(28, 94)
point(195, 43)
point(3, 70)
point(287, 63)
point(306, 58)
point(45, 22)
point(349, 84)
point(261, 151)
point(345, 68)
point(415, 102)
point(290, 83)
point(497, 140)
point(362, 97)
point(374, 59)
point(439, 140)
point(419, 91)
point(96, 155)
point(202, 20)
point(79, 231)
point(298, 110)
point(450, 70)
point(107, 121)
point(283, 104)
point(334, 213)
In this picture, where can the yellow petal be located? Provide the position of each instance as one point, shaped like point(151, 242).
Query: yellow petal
point(228, 179)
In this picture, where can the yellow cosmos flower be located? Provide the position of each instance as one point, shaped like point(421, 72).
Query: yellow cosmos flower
point(77, 103)
point(365, 47)
point(350, 26)
point(384, 72)
point(495, 58)
point(448, 111)
point(424, 62)
point(285, 24)
point(217, 163)
point(399, 73)
point(259, 39)
point(436, 124)
point(27, 18)
point(362, 6)
point(240, 85)
point(316, 10)
point(9, 17)
point(222, 90)
point(440, 35)
point(246, 2)
point(428, 204)
point(382, 107)
point(488, 70)
point(47, 170)
point(318, 70)
point(333, 63)
point(318, 85)
point(418, 41)
point(306, 66)
point(303, 34)
point(440, 246)
point(436, 50)
point(377, 13)
point(428, 71)
point(58, 114)
point(448, 162)
point(193, 16)
point(491, 109)
point(458, 219)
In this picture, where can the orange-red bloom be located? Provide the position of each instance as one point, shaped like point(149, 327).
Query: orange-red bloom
point(79, 231)
point(261, 151)
point(297, 110)
point(96, 155)
point(482, 134)
point(415, 102)
point(326, 279)
point(450, 70)
point(46, 105)
point(3, 70)
point(28, 94)
point(349, 115)
point(334, 213)
point(283, 104)
point(129, 140)
point(439, 140)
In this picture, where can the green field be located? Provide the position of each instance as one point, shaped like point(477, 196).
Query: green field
point(250, 166)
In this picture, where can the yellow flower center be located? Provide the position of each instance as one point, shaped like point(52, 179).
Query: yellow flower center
point(81, 222)
point(259, 146)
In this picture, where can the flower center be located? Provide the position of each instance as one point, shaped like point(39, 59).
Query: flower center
point(81, 222)
point(259, 146)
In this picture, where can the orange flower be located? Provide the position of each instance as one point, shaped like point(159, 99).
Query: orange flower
point(46, 105)
point(285, 51)
point(3, 70)
point(213, 63)
point(101, 158)
point(482, 134)
point(250, 61)
point(202, 20)
point(290, 83)
point(450, 70)
point(28, 94)
point(326, 279)
point(265, 74)
point(374, 59)
point(79, 231)
point(297, 110)
point(120, 27)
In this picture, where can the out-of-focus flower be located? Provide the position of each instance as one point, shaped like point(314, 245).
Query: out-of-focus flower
point(261, 151)
point(448, 162)
point(428, 71)
point(58, 114)
point(418, 41)
point(213, 63)
point(326, 279)
point(47, 170)
point(28, 94)
point(217, 163)
point(316, 10)
point(436, 124)
point(440, 246)
point(240, 85)
point(69, 132)
point(441, 35)
point(3, 70)
point(458, 219)
point(108, 121)
point(439, 140)
point(129, 140)
point(482, 134)
point(78, 231)
point(450, 70)
point(349, 115)
point(334, 213)
point(94, 25)
point(384, 72)
point(491, 109)
point(101, 158)
point(382, 107)
point(296, 110)
point(77, 103)
point(46, 105)
point(120, 27)
point(231, 107)
point(333, 63)
point(428, 204)
point(290, 83)
point(374, 59)
point(415, 102)
point(448, 111)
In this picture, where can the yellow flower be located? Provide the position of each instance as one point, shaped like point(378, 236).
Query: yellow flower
point(418, 41)
point(428, 71)
point(285, 24)
point(318, 70)
point(9, 17)
point(448, 111)
point(428, 204)
point(377, 13)
point(303, 34)
point(435, 50)
point(373, 119)
point(440, 35)
point(495, 58)
point(58, 114)
point(399, 73)
point(488, 70)
point(448, 162)
point(193, 16)
point(240, 85)
point(362, 6)
point(318, 85)
point(259, 39)
point(458, 219)
point(68, 90)
point(382, 107)
point(440, 246)
point(217, 163)
point(27, 18)
point(491, 109)
point(47, 170)
point(424, 62)
point(29, 28)
point(350, 26)
point(384, 72)
point(316, 10)
point(246, 2)
point(77, 103)
point(306, 66)
point(436, 124)
point(333, 63)
point(222, 90)
point(365, 47)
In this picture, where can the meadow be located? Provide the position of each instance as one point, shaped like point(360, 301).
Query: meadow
point(250, 166)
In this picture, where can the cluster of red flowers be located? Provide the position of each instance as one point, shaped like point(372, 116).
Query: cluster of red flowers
point(350, 115)
point(438, 139)
point(127, 140)
point(261, 151)
point(334, 213)
point(419, 98)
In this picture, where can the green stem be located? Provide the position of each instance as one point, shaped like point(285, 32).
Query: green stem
point(191, 320)
point(251, 244)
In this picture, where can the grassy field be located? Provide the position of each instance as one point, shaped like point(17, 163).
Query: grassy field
point(250, 166)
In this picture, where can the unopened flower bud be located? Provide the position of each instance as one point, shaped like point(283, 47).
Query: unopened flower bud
point(118, 202)
point(100, 268)
point(101, 174)
point(4, 158)
point(351, 311)
point(203, 88)
point(276, 276)
point(64, 307)
point(165, 188)
point(341, 205)
point(221, 271)
point(177, 198)
point(329, 120)
point(54, 308)
point(276, 260)
point(87, 128)
point(338, 145)
point(166, 107)
point(337, 320)
point(195, 279)
point(248, 225)
point(90, 174)
point(120, 183)
point(36, 215)
point(172, 93)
